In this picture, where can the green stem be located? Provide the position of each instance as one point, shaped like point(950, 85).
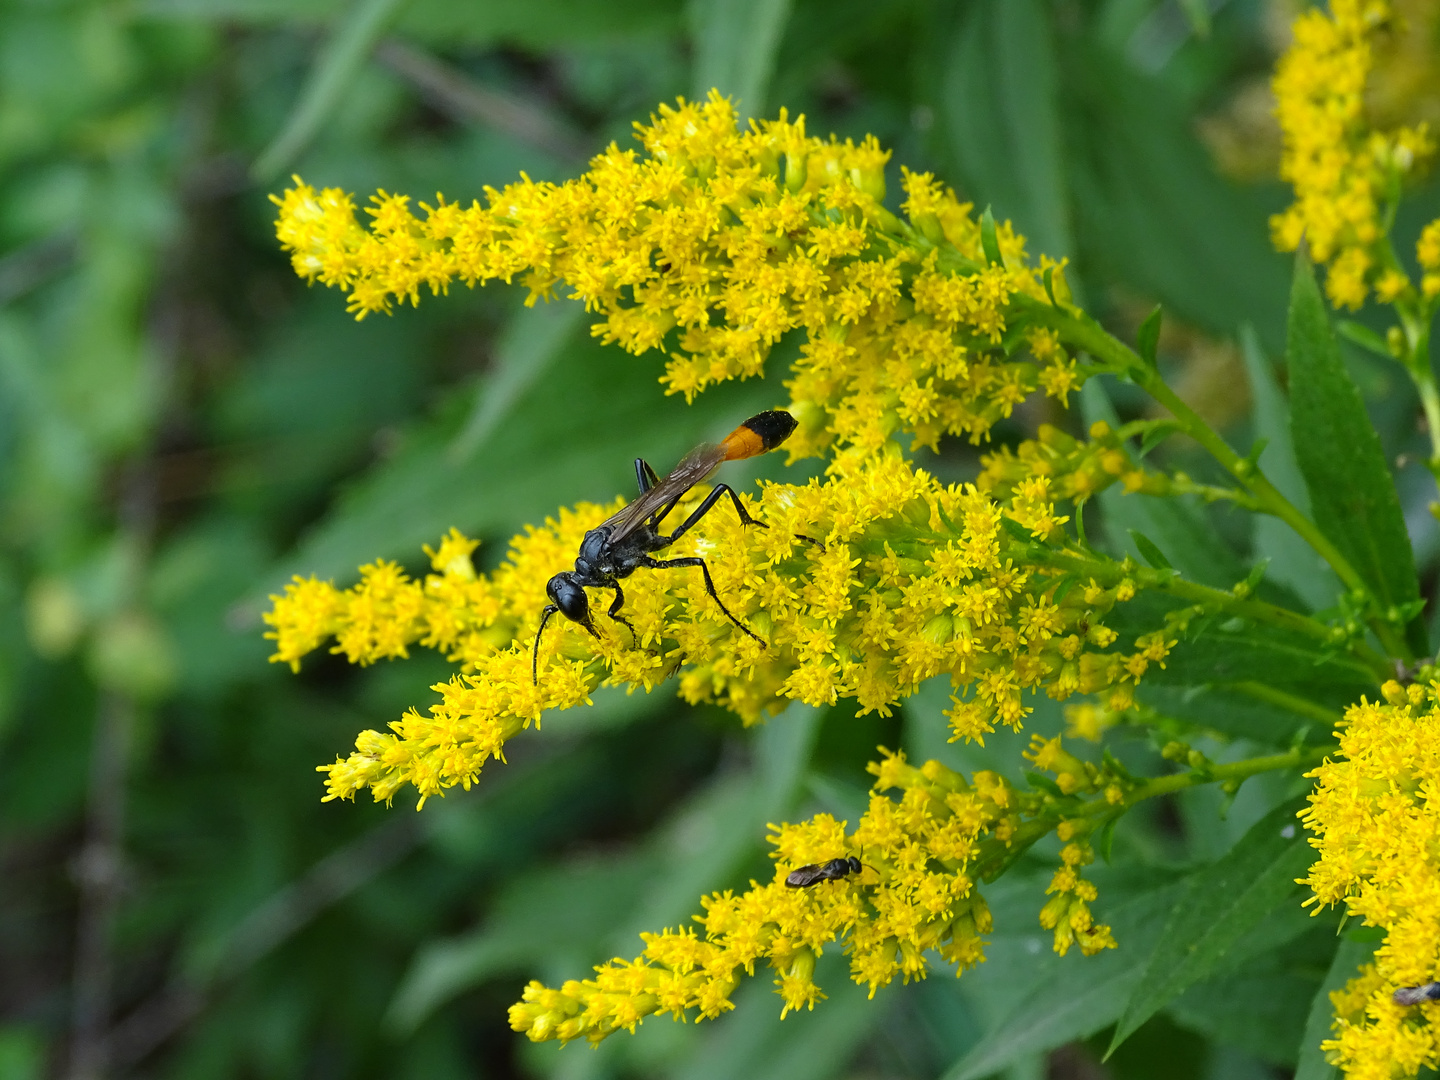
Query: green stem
point(1109, 573)
point(1415, 324)
point(1102, 809)
point(1083, 332)
point(1236, 771)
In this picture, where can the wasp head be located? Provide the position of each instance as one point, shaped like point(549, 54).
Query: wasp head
point(569, 596)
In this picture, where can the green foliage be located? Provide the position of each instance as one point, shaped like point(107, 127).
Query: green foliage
point(183, 426)
point(1351, 491)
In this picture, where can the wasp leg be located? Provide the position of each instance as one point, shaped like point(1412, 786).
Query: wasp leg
point(645, 475)
point(704, 508)
point(614, 611)
point(811, 540)
point(695, 560)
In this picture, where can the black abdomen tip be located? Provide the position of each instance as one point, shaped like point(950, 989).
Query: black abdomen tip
point(773, 427)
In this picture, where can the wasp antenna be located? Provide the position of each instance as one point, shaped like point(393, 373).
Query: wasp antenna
point(550, 609)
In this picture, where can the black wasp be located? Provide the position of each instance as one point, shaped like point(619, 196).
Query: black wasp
point(805, 876)
point(619, 546)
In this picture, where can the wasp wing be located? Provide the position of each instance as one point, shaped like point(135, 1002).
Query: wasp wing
point(693, 468)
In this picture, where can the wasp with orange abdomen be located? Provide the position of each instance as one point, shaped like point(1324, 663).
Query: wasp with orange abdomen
point(623, 543)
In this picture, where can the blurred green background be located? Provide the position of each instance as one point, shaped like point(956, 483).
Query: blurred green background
point(183, 424)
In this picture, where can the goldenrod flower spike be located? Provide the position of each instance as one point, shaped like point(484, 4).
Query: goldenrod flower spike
point(1343, 172)
point(1373, 815)
point(915, 579)
point(913, 899)
point(714, 245)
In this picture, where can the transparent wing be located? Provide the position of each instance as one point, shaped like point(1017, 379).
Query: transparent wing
point(695, 467)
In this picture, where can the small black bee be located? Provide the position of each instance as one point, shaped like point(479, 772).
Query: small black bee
point(834, 870)
point(1414, 995)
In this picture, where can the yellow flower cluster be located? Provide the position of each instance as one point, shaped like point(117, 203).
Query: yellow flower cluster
point(910, 579)
point(715, 244)
point(1376, 814)
point(1343, 172)
point(921, 854)
point(1076, 469)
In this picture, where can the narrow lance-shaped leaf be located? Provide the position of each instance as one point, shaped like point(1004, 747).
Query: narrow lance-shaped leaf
point(1223, 901)
point(1352, 494)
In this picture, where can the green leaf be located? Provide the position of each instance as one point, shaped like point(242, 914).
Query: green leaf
point(988, 240)
point(1197, 14)
point(1357, 333)
point(1158, 433)
point(1352, 493)
point(1067, 1000)
point(1219, 651)
point(526, 350)
point(1149, 206)
point(538, 456)
point(342, 56)
point(1148, 551)
point(1222, 903)
point(703, 850)
point(535, 917)
point(756, 1044)
point(1259, 1013)
point(1232, 712)
point(1177, 525)
point(735, 44)
point(1293, 562)
point(1348, 959)
point(999, 102)
point(1148, 339)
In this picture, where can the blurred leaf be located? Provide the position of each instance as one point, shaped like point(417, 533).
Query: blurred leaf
point(1149, 207)
point(735, 44)
point(22, 1053)
point(1173, 525)
point(703, 849)
point(753, 1043)
point(1232, 712)
point(527, 349)
point(1075, 996)
point(1233, 651)
point(1197, 14)
point(1293, 562)
point(1000, 113)
point(1259, 1013)
point(1148, 337)
point(1148, 551)
point(537, 23)
point(536, 916)
point(1351, 490)
point(1349, 958)
point(542, 455)
point(1220, 904)
point(344, 53)
point(696, 851)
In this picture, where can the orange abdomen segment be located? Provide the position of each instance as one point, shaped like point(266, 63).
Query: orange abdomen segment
point(763, 431)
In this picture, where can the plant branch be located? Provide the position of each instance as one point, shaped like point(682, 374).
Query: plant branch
point(1081, 331)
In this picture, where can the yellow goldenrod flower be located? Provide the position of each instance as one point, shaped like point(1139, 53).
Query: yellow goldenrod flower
point(1373, 811)
point(914, 579)
point(916, 894)
point(1343, 172)
point(713, 246)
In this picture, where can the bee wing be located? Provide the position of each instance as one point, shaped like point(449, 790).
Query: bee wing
point(693, 468)
point(805, 876)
